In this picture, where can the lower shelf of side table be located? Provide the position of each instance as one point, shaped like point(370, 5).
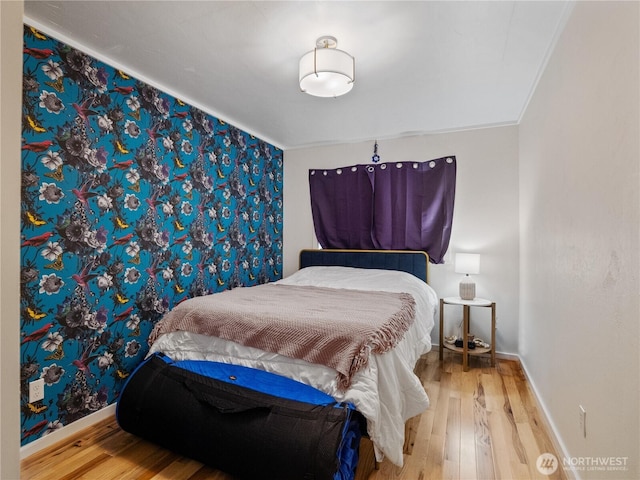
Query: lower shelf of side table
point(470, 351)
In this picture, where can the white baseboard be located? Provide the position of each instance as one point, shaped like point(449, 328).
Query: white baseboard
point(508, 356)
point(556, 438)
point(67, 431)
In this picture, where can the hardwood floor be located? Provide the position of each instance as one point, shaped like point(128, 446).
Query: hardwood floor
point(482, 424)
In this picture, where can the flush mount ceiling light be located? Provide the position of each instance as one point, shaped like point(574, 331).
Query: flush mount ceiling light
point(326, 71)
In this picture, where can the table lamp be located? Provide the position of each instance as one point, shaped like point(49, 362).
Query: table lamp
point(467, 263)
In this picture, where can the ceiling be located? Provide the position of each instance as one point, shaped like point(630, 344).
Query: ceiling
point(421, 66)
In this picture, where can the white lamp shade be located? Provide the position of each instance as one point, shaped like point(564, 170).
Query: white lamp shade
point(327, 72)
point(468, 263)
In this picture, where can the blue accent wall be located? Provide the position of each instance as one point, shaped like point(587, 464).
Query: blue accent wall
point(132, 201)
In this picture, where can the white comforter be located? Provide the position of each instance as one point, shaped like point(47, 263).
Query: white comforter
point(387, 392)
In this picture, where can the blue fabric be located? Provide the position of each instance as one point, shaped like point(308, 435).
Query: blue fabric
point(348, 452)
point(257, 380)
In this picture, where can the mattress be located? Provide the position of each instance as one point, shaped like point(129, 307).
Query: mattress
point(386, 392)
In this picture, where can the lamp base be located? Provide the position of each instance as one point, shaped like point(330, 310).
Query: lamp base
point(467, 289)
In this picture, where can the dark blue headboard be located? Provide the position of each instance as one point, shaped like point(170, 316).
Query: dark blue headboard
point(411, 261)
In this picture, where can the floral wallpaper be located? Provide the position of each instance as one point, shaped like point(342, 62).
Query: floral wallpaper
point(132, 201)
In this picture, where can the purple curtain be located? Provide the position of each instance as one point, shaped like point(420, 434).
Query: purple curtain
point(389, 206)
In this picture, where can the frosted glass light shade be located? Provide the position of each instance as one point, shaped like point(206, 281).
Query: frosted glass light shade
point(468, 263)
point(326, 72)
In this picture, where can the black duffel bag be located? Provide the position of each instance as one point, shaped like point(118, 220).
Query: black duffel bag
point(247, 433)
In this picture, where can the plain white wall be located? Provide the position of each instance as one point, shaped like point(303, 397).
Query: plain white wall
point(10, 166)
point(580, 220)
point(485, 215)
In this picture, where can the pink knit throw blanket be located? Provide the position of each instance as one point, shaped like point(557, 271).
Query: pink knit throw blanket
point(338, 328)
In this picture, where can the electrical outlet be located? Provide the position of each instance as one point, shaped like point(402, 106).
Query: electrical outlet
point(36, 390)
point(583, 421)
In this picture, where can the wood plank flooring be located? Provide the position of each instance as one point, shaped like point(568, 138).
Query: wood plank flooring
point(482, 424)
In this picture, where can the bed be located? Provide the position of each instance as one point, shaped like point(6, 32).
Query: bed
point(382, 389)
